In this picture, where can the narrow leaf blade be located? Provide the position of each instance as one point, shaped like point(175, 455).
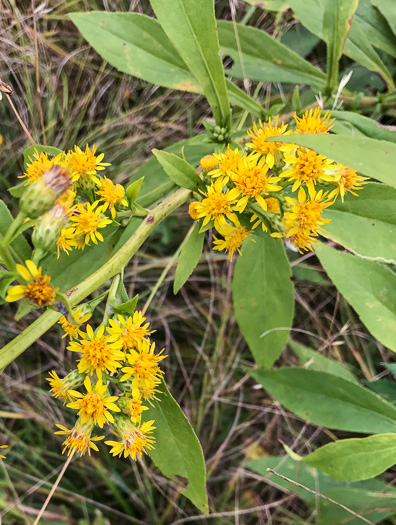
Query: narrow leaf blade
point(264, 298)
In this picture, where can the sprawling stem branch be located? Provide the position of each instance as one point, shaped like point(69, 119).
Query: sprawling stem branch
point(97, 279)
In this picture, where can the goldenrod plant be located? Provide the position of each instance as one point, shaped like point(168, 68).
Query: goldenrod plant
point(301, 178)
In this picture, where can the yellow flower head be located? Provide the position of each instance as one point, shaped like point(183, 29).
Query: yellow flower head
point(129, 331)
point(66, 240)
point(84, 165)
point(132, 406)
point(227, 164)
point(209, 163)
point(233, 239)
point(98, 353)
point(143, 363)
point(307, 167)
point(304, 218)
point(73, 330)
point(88, 220)
point(133, 439)
point(270, 150)
point(348, 181)
point(94, 406)
point(251, 182)
point(148, 388)
point(38, 290)
point(3, 446)
point(312, 122)
point(217, 205)
point(40, 164)
point(60, 387)
point(79, 438)
point(111, 194)
point(192, 210)
point(272, 205)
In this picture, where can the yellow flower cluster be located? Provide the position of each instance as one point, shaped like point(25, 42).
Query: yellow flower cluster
point(255, 186)
point(117, 357)
point(80, 214)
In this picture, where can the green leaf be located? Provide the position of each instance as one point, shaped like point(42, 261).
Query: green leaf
point(244, 101)
point(179, 171)
point(137, 45)
point(189, 257)
point(349, 123)
point(263, 296)
point(388, 10)
point(177, 450)
point(375, 27)
point(313, 360)
point(369, 498)
point(368, 286)
point(337, 21)
point(129, 306)
point(373, 213)
point(270, 5)
point(374, 158)
point(355, 459)
point(20, 244)
point(191, 27)
point(133, 190)
point(327, 400)
point(300, 40)
point(258, 56)
point(383, 387)
point(358, 47)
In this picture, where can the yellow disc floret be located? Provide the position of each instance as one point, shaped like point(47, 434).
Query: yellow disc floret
point(98, 353)
point(95, 405)
point(37, 290)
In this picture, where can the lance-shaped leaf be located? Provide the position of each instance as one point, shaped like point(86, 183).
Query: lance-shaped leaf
point(358, 45)
point(191, 27)
point(189, 257)
point(371, 498)
point(20, 244)
point(374, 158)
point(337, 21)
point(373, 213)
point(313, 360)
point(370, 288)
point(136, 44)
point(258, 56)
point(327, 400)
point(263, 298)
point(177, 450)
point(179, 171)
point(388, 10)
point(349, 123)
point(355, 459)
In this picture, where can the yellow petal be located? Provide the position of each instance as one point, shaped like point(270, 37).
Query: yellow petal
point(32, 268)
point(23, 272)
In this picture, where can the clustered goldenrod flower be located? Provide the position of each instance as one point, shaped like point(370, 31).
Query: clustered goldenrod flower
point(115, 382)
point(72, 216)
point(256, 185)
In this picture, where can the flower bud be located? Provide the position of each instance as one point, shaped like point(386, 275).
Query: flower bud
point(41, 195)
point(49, 227)
point(209, 163)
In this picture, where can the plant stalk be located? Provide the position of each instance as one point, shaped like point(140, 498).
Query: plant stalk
point(78, 293)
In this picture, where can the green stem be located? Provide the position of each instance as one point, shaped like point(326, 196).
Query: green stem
point(78, 293)
point(17, 222)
